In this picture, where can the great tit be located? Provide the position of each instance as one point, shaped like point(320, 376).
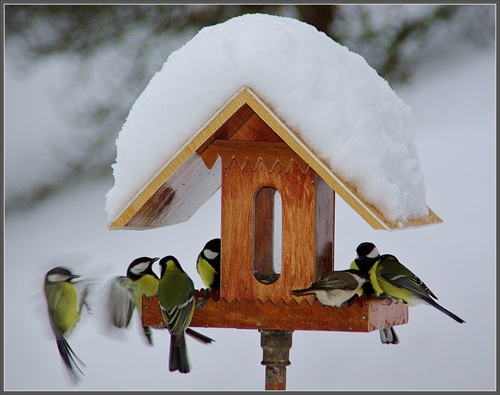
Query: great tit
point(335, 288)
point(65, 303)
point(366, 256)
point(208, 264)
point(177, 303)
point(390, 278)
point(125, 295)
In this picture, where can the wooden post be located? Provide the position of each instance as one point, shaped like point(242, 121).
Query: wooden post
point(276, 346)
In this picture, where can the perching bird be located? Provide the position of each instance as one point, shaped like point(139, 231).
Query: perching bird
point(391, 278)
point(366, 256)
point(208, 264)
point(125, 295)
point(65, 303)
point(335, 288)
point(177, 302)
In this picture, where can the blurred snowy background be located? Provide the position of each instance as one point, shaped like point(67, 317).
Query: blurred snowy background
point(71, 75)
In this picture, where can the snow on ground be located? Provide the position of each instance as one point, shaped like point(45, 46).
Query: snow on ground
point(453, 105)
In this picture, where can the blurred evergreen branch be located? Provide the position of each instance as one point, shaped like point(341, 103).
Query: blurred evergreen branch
point(393, 42)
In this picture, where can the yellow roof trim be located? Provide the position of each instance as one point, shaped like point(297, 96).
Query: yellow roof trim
point(246, 96)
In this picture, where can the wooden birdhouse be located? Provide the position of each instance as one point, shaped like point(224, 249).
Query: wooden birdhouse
point(277, 222)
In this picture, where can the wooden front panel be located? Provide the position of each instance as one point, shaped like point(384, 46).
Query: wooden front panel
point(297, 192)
point(236, 231)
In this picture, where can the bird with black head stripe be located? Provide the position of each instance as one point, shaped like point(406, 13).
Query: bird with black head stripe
point(125, 295)
point(65, 303)
point(177, 303)
point(208, 264)
point(391, 279)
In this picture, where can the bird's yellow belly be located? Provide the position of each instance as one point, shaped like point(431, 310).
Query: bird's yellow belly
point(382, 286)
point(206, 272)
point(147, 285)
point(66, 313)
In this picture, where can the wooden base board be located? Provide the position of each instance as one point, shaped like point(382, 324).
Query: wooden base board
point(361, 314)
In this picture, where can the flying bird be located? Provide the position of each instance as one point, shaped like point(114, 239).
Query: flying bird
point(125, 295)
point(65, 303)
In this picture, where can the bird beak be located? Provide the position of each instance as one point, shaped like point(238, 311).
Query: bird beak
point(154, 259)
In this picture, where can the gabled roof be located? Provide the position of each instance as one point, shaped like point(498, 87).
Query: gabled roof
point(185, 183)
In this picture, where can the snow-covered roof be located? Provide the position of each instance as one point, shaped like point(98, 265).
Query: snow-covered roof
point(328, 97)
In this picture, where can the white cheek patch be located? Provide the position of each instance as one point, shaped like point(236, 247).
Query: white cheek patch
point(373, 253)
point(210, 254)
point(56, 278)
point(141, 267)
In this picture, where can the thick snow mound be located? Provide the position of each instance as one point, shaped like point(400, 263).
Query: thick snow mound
point(328, 95)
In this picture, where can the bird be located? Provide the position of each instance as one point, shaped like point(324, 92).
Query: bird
point(65, 303)
point(390, 278)
point(366, 256)
point(177, 304)
point(125, 295)
point(208, 264)
point(335, 288)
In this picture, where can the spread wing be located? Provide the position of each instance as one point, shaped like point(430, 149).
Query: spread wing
point(121, 301)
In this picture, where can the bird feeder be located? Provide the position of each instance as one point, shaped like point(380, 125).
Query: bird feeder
point(277, 226)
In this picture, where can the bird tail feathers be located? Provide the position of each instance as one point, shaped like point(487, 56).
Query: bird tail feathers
point(199, 336)
point(388, 336)
point(178, 359)
point(70, 359)
point(443, 310)
point(305, 291)
point(148, 332)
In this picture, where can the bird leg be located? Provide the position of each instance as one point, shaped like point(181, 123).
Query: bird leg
point(201, 303)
